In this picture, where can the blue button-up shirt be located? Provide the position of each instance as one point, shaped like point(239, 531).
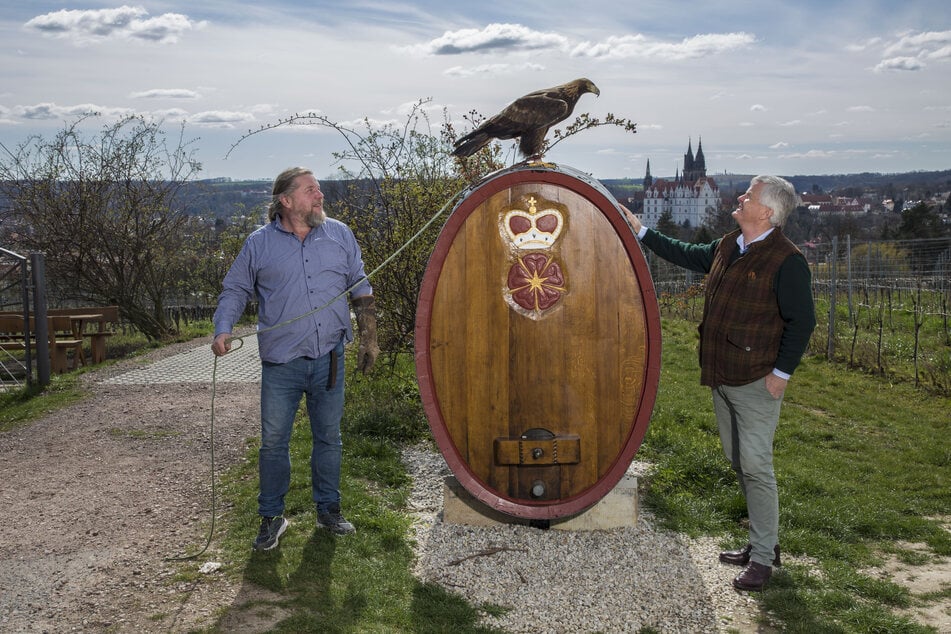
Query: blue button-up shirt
point(290, 278)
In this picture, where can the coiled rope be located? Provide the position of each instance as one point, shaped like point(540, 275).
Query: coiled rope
point(240, 341)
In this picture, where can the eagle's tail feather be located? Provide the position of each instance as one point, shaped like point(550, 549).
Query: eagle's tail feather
point(470, 144)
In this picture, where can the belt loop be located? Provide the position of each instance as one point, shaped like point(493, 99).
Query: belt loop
point(332, 381)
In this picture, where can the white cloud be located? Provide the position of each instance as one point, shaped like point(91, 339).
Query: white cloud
point(942, 53)
point(174, 114)
point(811, 154)
point(916, 43)
point(492, 70)
point(220, 118)
point(789, 124)
point(861, 46)
point(492, 38)
point(640, 46)
point(49, 110)
point(166, 93)
point(501, 38)
point(779, 146)
point(125, 22)
point(860, 109)
point(757, 107)
point(899, 63)
point(910, 49)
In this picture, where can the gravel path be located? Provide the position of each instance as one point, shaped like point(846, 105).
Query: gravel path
point(558, 581)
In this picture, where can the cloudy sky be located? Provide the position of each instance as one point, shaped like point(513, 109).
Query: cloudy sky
point(804, 87)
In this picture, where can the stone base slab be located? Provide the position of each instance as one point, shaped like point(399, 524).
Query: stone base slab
point(617, 509)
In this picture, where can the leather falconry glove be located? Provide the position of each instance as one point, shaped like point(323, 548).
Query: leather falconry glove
point(367, 352)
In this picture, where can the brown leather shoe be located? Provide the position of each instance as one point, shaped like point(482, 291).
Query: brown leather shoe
point(754, 578)
point(741, 557)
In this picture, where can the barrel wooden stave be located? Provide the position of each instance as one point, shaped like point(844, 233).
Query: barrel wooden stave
point(585, 367)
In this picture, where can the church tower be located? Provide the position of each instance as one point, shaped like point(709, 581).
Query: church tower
point(695, 168)
point(688, 163)
point(648, 179)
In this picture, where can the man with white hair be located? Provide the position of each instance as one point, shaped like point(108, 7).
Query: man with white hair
point(758, 317)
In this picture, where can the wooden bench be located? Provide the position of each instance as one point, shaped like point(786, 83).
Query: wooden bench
point(13, 338)
point(105, 317)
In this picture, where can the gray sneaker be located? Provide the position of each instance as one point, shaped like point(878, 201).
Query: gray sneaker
point(334, 522)
point(270, 532)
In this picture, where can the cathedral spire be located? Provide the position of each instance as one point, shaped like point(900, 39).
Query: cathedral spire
point(688, 160)
point(648, 179)
point(700, 163)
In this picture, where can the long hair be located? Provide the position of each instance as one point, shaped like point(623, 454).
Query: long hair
point(779, 195)
point(284, 184)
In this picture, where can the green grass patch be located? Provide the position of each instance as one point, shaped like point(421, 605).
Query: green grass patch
point(861, 463)
point(361, 582)
point(25, 405)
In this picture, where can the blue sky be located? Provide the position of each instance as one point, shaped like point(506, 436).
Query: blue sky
point(803, 87)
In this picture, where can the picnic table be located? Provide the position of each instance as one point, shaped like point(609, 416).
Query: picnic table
point(97, 343)
point(13, 338)
point(68, 329)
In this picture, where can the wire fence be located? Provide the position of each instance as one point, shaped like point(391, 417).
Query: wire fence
point(883, 306)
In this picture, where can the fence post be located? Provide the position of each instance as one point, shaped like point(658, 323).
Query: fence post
point(25, 292)
point(848, 264)
point(830, 347)
point(38, 266)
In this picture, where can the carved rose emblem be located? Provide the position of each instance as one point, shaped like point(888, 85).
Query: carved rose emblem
point(536, 282)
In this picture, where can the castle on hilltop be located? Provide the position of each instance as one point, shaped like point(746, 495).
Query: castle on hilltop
point(689, 197)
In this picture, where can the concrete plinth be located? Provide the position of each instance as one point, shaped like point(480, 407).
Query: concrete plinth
point(617, 509)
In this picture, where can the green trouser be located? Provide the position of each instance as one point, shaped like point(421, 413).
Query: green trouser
point(747, 416)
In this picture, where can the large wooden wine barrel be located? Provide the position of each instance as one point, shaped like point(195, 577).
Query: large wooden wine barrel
point(538, 342)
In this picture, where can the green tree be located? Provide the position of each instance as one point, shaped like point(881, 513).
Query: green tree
point(210, 251)
point(107, 212)
point(719, 220)
point(666, 224)
point(921, 221)
point(879, 260)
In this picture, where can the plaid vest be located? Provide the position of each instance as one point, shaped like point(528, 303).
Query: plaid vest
point(741, 328)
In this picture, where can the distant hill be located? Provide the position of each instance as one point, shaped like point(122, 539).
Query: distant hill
point(222, 198)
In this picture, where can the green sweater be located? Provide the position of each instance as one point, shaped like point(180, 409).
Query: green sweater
point(759, 316)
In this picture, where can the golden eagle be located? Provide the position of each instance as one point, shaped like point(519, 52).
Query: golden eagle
point(527, 118)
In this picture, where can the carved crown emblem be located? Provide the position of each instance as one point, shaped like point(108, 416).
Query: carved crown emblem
point(533, 229)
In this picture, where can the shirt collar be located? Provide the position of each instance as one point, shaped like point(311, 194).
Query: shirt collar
point(740, 242)
point(280, 226)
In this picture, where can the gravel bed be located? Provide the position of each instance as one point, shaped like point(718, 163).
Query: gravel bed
point(619, 580)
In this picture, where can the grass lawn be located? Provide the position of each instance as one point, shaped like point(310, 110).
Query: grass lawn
point(864, 470)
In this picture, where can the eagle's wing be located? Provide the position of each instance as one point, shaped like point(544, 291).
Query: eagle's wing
point(536, 110)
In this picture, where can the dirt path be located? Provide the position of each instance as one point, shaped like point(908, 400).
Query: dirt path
point(96, 496)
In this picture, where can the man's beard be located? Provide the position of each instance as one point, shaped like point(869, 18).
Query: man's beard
point(315, 218)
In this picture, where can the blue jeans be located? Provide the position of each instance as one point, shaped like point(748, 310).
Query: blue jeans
point(282, 386)
point(747, 416)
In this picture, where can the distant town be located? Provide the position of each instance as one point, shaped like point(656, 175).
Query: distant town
point(690, 199)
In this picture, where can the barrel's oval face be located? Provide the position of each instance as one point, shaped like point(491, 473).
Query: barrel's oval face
point(537, 343)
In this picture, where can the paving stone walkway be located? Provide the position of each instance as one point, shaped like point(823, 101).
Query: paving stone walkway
point(241, 365)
